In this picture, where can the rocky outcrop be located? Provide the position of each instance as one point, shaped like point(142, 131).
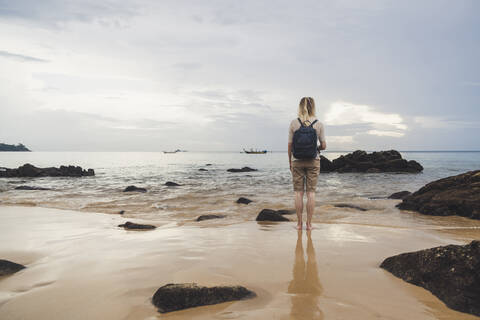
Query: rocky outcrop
point(134, 189)
point(135, 226)
point(243, 200)
point(399, 195)
point(210, 216)
point(30, 188)
point(375, 162)
point(351, 206)
point(171, 184)
point(456, 195)
point(173, 297)
point(28, 170)
point(9, 267)
point(270, 215)
point(244, 169)
point(12, 147)
point(449, 272)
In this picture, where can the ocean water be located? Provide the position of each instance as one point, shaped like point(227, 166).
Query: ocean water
point(216, 190)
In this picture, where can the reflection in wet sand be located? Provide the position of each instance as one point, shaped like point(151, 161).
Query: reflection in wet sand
point(305, 286)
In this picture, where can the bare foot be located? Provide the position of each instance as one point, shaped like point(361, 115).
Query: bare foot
point(299, 226)
point(309, 226)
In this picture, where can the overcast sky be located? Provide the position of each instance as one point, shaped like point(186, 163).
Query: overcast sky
point(143, 75)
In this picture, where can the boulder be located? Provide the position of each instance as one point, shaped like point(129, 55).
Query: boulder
point(9, 267)
point(135, 226)
point(243, 200)
point(30, 188)
point(286, 211)
point(449, 272)
point(210, 216)
point(375, 162)
point(244, 169)
point(270, 215)
point(399, 195)
point(456, 195)
point(173, 297)
point(28, 170)
point(121, 212)
point(201, 169)
point(134, 189)
point(351, 206)
point(326, 165)
point(171, 184)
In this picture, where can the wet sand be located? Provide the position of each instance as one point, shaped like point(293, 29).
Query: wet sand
point(81, 266)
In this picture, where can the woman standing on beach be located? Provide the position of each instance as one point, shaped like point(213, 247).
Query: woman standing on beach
point(303, 134)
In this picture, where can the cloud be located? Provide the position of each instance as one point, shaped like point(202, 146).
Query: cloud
point(343, 113)
point(432, 122)
point(382, 133)
point(20, 57)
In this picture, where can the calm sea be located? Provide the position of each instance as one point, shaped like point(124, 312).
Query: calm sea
point(207, 192)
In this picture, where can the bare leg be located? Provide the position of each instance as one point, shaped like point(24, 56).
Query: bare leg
point(310, 208)
point(299, 208)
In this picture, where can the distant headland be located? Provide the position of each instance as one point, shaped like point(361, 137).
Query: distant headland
point(12, 147)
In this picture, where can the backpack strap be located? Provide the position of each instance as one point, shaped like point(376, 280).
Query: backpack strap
point(311, 125)
point(301, 123)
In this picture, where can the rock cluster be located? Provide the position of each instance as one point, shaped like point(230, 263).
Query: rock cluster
point(375, 162)
point(172, 297)
point(449, 272)
point(456, 195)
point(28, 170)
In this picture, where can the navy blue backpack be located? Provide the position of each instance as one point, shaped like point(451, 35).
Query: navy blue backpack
point(304, 142)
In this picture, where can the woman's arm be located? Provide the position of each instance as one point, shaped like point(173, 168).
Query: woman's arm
point(290, 155)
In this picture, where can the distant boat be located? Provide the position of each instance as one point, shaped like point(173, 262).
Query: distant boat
point(251, 151)
point(178, 150)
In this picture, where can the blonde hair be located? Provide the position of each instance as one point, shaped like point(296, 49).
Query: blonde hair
point(306, 108)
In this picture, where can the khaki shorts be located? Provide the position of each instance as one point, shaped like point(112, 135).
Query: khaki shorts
point(305, 172)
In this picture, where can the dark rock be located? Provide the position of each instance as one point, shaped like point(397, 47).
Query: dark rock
point(135, 226)
point(210, 216)
point(172, 297)
point(244, 169)
point(8, 267)
point(456, 195)
point(243, 200)
point(28, 170)
point(208, 164)
point(201, 169)
point(121, 212)
point(399, 195)
point(351, 206)
point(270, 215)
point(326, 165)
point(451, 273)
point(134, 189)
point(375, 162)
point(30, 188)
point(285, 211)
point(171, 184)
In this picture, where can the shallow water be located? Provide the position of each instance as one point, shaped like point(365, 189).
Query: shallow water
point(216, 190)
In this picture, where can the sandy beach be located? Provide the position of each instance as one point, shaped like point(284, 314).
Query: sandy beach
point(82, 266)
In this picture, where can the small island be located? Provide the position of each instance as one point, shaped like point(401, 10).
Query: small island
point(12, 147)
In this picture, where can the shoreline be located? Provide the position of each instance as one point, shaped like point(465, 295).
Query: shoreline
point(81, 265)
